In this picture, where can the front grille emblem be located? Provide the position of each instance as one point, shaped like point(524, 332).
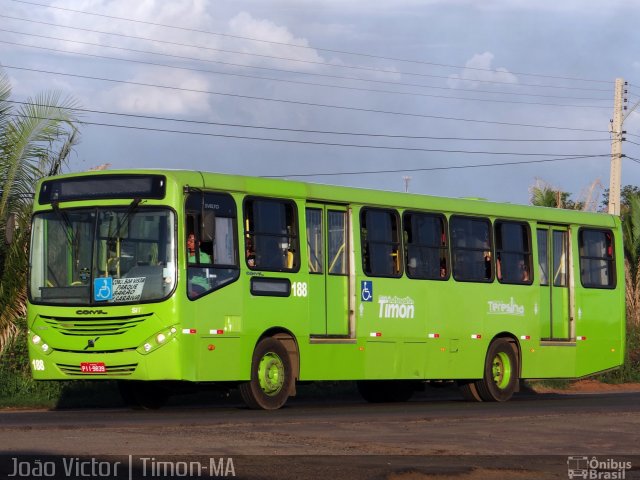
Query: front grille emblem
point(91, 343)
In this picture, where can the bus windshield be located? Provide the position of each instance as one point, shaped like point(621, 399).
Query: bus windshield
point(109, 255)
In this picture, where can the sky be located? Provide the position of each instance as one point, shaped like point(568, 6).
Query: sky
point(443, 97)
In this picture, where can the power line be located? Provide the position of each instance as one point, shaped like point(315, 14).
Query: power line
point(368, 55)
point(297, 72)
point(323, 132)
point(427, 169)
point(309, 142)
point(307, 104)
point(297, 82)
point(351, 67)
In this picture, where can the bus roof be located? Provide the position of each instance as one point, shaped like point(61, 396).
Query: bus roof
point(353, 195)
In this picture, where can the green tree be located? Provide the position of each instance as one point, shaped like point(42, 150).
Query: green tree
point(630, 216)
point(36, 139)
point(626, 193)
point(542, 194)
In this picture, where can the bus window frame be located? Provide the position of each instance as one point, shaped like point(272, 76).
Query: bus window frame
point(400, 259)
point(198, 239)
point(613, 271)
point(527, 253)
point(92, 302)
point(491, 250)
point(295, 236)
point(446, 246)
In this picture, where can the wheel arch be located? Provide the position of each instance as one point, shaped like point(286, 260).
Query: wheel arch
point(290, 342)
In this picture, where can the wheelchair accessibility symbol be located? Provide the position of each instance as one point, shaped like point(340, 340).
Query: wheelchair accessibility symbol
point(102, 289)
point(366, 291)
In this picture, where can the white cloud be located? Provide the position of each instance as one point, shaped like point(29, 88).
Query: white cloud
point(142, 99)
point(479, 69)
point(245, 25)
point(192, 14)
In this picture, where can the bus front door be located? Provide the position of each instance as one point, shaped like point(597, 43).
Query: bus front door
point(553, 261)
point(328, 263)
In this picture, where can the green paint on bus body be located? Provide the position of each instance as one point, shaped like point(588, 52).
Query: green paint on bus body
point(332, 326)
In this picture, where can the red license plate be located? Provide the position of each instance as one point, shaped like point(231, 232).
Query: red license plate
point(93, 367)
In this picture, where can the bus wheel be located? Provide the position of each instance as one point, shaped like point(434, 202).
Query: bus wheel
point(271, 376)
point(469, 391)
point(381, 391)
point(500, 372)
point(147, 395)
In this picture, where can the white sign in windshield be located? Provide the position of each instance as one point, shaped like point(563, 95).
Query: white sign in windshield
point(128, 289)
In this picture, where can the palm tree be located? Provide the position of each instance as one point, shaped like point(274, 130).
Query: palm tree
point(36, 138)
point(631, 241)
point(542, 194)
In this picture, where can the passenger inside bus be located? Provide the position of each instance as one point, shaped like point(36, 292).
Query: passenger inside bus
point(191, 249)
point(198, 281)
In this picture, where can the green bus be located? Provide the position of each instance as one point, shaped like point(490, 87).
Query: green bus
point(160, 279)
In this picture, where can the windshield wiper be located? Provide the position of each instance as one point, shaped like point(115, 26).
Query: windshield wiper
point(132, 206)
point(68, 230)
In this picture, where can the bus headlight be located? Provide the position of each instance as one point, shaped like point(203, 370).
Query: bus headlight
point(40, 345)
point(157, 340)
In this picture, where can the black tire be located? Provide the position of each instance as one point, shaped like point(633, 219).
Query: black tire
point(146, 395)
point(384, 391)
point(271, 376)
point(501, 378)
point(469, 391)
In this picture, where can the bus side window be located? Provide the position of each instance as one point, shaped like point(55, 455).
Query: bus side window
point(471, 249)
point(271, 235)
point(596, 258)
point(380, 236)
point(211, 250)
point(513, 252)
point(425, 246)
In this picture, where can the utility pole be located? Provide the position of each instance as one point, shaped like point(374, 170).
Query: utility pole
point(616, 147)
point(406, 183)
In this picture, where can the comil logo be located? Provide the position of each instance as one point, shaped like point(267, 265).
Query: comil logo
point(594, 468)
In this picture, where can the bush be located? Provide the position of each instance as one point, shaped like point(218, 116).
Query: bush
point(19, 389)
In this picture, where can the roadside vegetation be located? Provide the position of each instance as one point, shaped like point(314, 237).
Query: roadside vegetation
point(36, 140)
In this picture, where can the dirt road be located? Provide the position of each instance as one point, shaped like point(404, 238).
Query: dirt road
point(531, 436)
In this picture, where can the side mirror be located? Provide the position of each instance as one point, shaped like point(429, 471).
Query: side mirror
point(10, 228)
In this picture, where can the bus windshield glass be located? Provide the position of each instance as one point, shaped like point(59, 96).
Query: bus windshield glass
point(98, 256)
